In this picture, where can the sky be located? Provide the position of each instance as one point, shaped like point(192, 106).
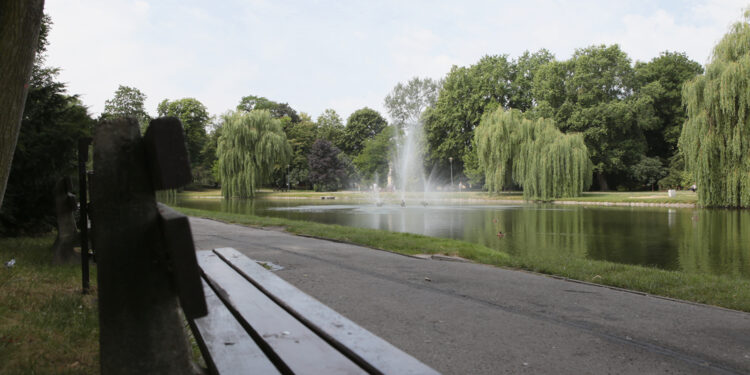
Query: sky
point(346, 54)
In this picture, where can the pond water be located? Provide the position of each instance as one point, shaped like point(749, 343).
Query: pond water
point(686, 239)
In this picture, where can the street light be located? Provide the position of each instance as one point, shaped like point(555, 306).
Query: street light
point(287, 178)
point(450, 159)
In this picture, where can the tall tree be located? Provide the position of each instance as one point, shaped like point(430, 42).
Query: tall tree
point(277, 110)
point(127, 102)
point(301, 136)
point(194, 117)
point(376, 155)
point(20, 22)
point(466, 94)
point(362, 125)
point(406, 102)
point(592, 94)
point(523, 71)
point(532, 153)
point(716, 136)
point(251, 145)
point(661, 80)
point(327, 170)
point(331, 128)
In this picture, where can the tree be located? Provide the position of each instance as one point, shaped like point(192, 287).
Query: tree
point(592, 94)
point(376, 155)
point(53, 121)
point(277, 110)
point(20, 22)
point(715, 138)
point(406, 102)
point(331, 128)
point(251, 145)
point(127, 102)
point(362, 125)
point(532, 153)
point(661, 80)
point(523, 71)
point(194, 117)
point(301, 136)
point(648, 171)
point(327, 170)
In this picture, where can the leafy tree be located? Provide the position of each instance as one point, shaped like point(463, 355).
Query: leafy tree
point(301, 137)
point(715, 138)
point(523, 71)
point(648, 171)
point(250, 146)
point(661, 80)
point(331, 128)
point(592, 94)
point(277, 110)
point(53, 121)
point(362, 125)
point(376, 155)
point(127, 102)
point(20, 22)
point(532, 153)
point(327, 170)
point(194, 117)
point(406, 102)
point(466, 94)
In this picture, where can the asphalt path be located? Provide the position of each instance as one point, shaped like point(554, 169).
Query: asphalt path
point(466, 318)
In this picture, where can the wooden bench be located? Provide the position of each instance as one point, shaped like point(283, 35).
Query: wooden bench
point(245, 318)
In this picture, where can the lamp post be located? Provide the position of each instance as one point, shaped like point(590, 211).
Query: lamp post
point(450, 159)
point(287, 178)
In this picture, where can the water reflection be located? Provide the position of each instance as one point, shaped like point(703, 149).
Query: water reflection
point(692, 240)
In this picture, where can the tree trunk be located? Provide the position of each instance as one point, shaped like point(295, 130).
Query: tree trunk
point(602, 180)
point(19, 30)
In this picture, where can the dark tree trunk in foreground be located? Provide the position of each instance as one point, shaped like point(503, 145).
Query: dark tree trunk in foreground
point(19, 30)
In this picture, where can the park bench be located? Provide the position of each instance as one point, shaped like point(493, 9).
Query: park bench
point(245, 319)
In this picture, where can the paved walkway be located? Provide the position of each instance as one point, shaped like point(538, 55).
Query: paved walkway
point(464, 318)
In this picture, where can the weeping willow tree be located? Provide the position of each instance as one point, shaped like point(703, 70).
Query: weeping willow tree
point(532, 153)
point(716, 136)
point(251, 145)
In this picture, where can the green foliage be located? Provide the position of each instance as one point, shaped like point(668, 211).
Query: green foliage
point(661, 80)
point(277, 110)
point(533, 153)
point(127, 102)
point(406, 102)
point(649, 171)
point(250, 146)
point(331, 128)
point(301, 136)
point(194, 117)
point(716, 136)
point(362, 125)
point(376, 155)
point(327, 169)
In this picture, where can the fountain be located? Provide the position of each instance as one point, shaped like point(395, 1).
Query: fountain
point(409, 163)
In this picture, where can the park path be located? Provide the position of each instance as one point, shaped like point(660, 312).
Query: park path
point(465, 318)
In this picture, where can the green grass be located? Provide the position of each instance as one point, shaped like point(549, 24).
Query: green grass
point(47, 326)
point(724, 291)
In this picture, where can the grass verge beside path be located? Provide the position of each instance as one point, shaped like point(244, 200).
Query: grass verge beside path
point(727, 292)
point(46, 325)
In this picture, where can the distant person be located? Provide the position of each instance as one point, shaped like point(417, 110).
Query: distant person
point(693, 188)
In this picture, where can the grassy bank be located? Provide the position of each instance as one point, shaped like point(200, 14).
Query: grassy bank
point(728, 292)
point(646, 197)
point(46, 325)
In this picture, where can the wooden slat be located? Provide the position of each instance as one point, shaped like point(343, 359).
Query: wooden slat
point(377, 354)
point(178, 243)
point(227, 348)
point(299, 348)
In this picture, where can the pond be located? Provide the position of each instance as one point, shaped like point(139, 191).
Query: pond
point(686, 239)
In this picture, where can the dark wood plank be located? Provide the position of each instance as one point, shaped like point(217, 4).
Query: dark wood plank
point(178, 243)
point(299, 348)
point(353, 340)
point(169, 164)
point(227, 348)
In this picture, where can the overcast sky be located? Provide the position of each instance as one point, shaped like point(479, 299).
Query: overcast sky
point(344, 54)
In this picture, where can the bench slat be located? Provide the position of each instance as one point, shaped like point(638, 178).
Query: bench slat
point(364, 347)
point(300, 349)
point(232, 350)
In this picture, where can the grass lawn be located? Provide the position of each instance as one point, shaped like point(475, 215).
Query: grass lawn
point(46, 325)
point(728, 292)
point(657, 197)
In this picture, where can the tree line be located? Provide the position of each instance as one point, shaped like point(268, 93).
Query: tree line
point(662, 123)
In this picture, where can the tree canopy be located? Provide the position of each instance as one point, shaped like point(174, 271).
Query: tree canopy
point(251, 145)
point(362, 125)
point(194, 117)
point(277, 110)
point(127, 102)
point(327, 170)
point(331, 127)
point(532, 153)
point(375, 156)
point(715, 139)
point(406, 102)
